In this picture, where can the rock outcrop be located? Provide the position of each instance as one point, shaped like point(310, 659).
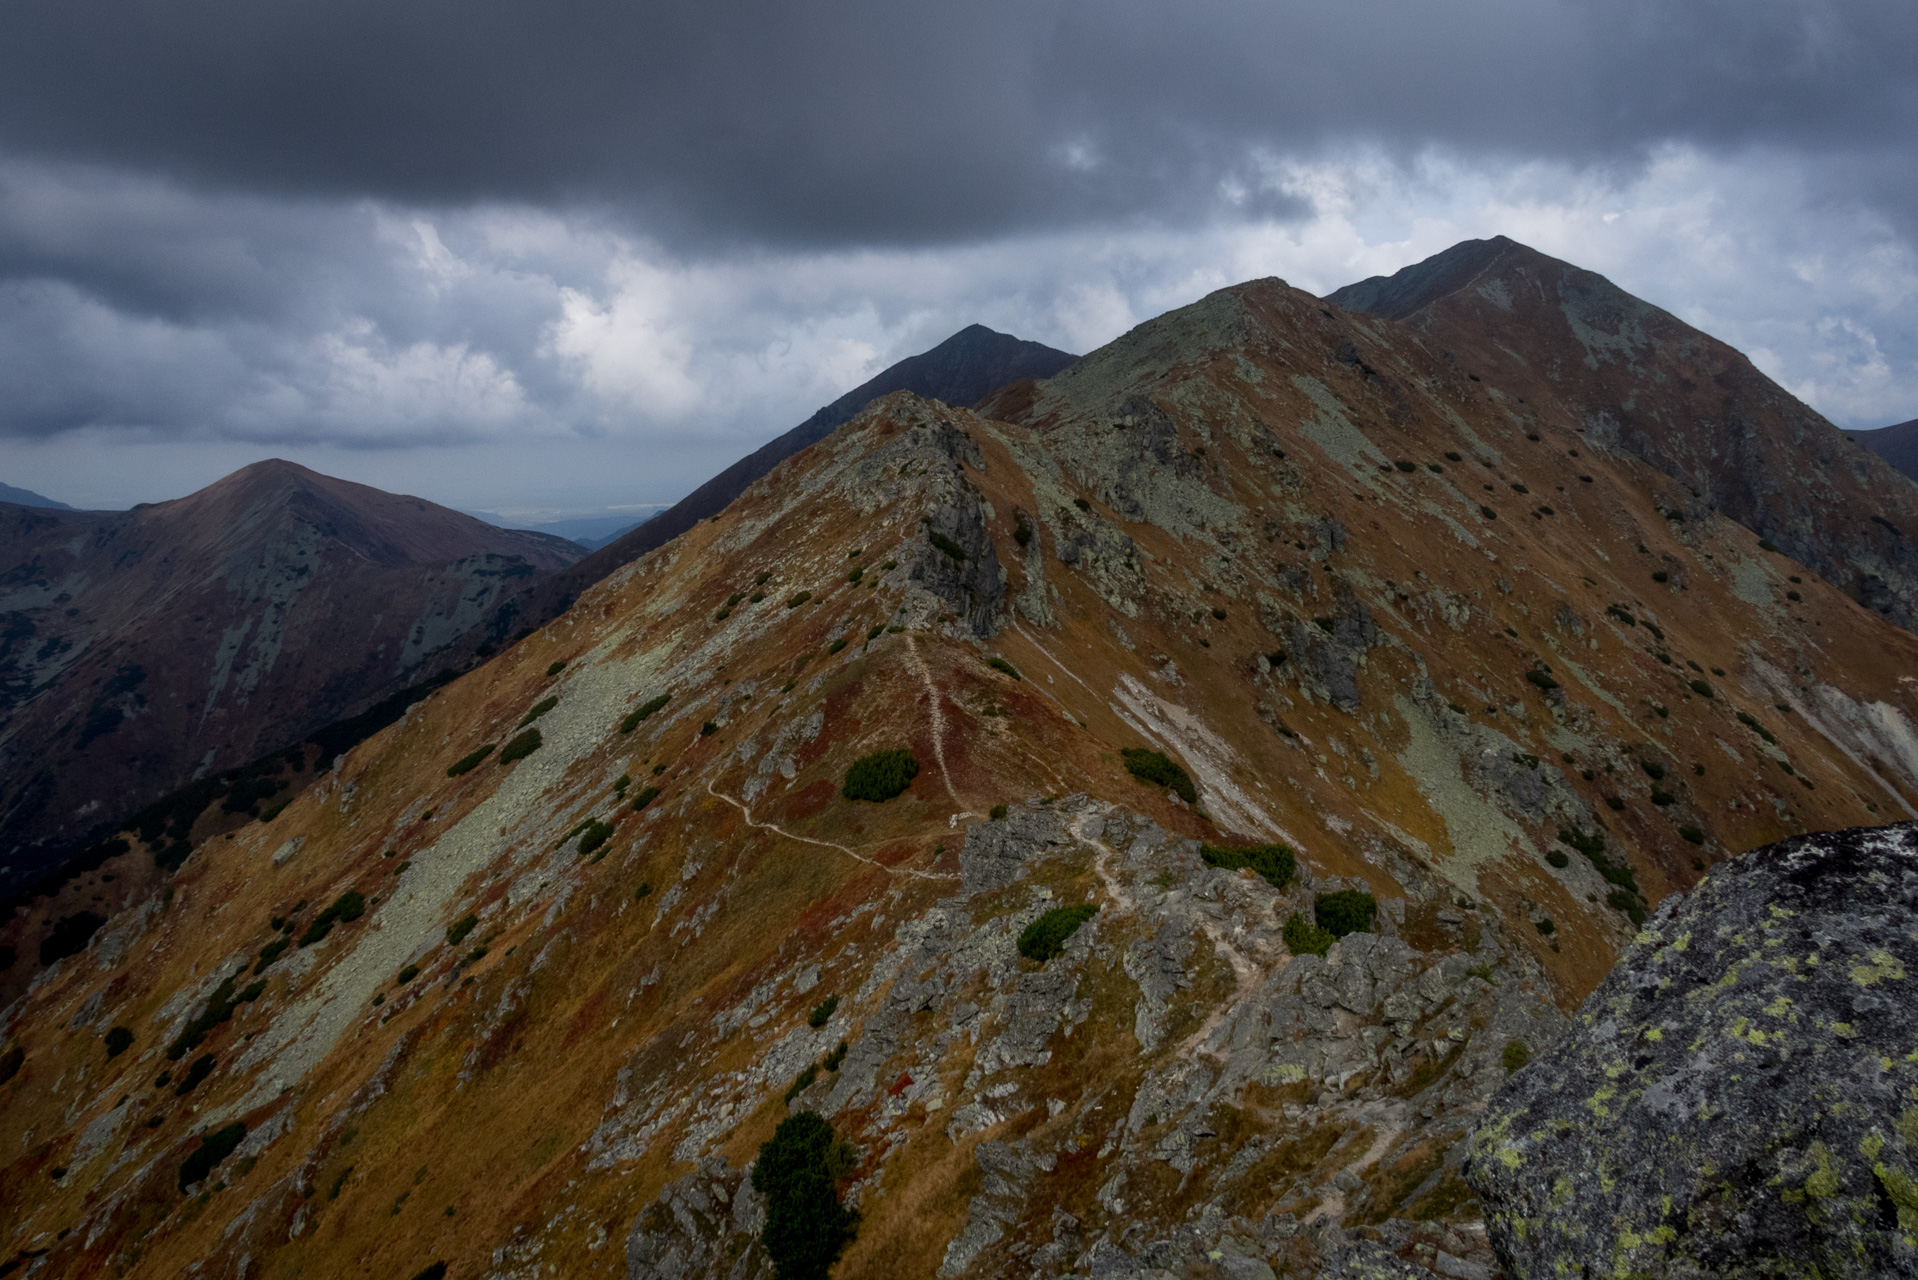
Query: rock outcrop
point(1740, 1097)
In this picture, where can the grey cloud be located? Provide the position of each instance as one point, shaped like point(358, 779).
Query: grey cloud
point(880, 122)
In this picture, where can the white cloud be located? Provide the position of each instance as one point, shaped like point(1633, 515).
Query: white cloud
point(507, 356)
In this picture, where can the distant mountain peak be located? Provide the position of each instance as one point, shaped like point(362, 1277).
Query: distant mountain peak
point(28, 498)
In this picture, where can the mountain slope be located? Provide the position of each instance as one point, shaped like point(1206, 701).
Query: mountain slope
point(1559, 346)
point(572, 992)
point(28, 498)
point(1896, 444)
point(142, 649)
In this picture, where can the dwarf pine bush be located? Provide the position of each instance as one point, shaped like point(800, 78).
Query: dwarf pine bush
point(468, 762)
point(1275, 862)
point(1153, 767)
point(1347, 911)
point(521, 747)
point(881, 775)
point(1302, 937)
point(797, 1171)
point(1046, 937)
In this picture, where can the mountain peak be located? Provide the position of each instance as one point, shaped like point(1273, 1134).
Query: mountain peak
point(1410, 288)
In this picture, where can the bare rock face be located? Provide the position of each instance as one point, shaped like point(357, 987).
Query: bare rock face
point(1737, 1098)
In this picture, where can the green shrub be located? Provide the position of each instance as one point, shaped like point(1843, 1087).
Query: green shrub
point(1273, 861)
point(1661, 577)
point(1000, 664)
point(271, 952)
point(1628, 902)
point(1557, 859)
point(856, 575)
point(644, 710)
point(1404, 465)
point(645, 798)
point(822, 1014)
point(875, 632)
point(1046, 937)
point(1153, 767)
point(1487, 512)
point(539, 709)
point(1662, 797)
point(1540, 679)
point(1516, 1056)
point(836, 645)
point(556, 668)
point(1021, 529)
point(1692, 835)
point(468, 762)
point(1591, 844)
point(521, 747)
point(881, 775)
point(1750, 721)
point(348, 907)
point(795, 601)
point(457, 931)
point(119, 1040)
point(722, 615)
point(213, 1148)
point(202, 1068)
point(1766, 544)
point(620, 784)
point(597, 834)
point(406, 975)
point(1082, 504)
point(436, 1270)
point(1546, 927)
point(645, 890)
point(999, 812)
point(837, 1056)
point(761, 580)
point(1305, 938)
point(1452, 456)
point(946, 546)
point(802, 1082)
point(806, 1226)
point(708, 729)
point(1347, 911)
point(1702, 689)
point(1653, 770)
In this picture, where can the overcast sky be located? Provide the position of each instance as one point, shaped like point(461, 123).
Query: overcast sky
point(579, 254)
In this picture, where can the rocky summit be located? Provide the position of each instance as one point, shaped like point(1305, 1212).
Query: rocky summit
point(1133, 828)
point(1740, 1096)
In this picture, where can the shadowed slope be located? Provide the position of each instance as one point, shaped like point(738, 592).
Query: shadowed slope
point(1557, 345)
point(1896, 444)
point(141, 649)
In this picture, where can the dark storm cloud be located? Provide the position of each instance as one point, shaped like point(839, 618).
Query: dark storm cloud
point(846, 123)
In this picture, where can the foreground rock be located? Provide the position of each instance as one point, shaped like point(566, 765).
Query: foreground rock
point(1740, 1096)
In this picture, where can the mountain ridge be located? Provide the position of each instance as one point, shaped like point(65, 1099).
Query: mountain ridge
point(1260, 570)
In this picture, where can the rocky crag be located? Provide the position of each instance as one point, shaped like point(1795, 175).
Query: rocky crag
point(593, 919)
point(1740, 1096)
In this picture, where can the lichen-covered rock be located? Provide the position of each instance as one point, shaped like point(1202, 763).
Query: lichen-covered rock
point(1740, 1096)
